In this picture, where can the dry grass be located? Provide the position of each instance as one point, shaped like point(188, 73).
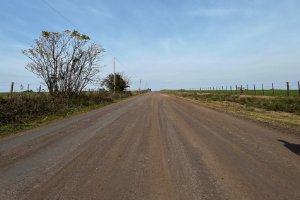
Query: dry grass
point(283, 118)
point(287, 120)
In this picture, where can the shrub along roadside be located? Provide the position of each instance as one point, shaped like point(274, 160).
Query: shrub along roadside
point(23, 112)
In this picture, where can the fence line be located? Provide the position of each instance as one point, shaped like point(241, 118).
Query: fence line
point(8, 89)
point(273, 89)
point(278, 89)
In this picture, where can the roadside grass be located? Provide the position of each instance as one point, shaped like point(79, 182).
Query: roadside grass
point(283, 111)
point(23, 112)
point(276, 103)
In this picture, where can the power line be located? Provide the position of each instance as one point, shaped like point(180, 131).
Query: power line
point(59, 13)
point(69, 21)
point(73, 24)
point(63, 16)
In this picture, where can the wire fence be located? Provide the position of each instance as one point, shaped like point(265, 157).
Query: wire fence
point(271, 89)
point(8, 89)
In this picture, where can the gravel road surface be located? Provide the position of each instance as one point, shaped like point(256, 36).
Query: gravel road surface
point(151, 146)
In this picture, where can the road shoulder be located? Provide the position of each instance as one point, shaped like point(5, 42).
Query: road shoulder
point(285, 122)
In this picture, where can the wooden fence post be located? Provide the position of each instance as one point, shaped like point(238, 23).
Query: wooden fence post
point(241, 89)
point(230, 89)
point(247, 89)
point(263, 90)
point(299, 88)
point(236, 89)
point(12, 89)
point(40, 89)
point(28, 93)
point(288, 88)
point(254, 90)
point(273, 91)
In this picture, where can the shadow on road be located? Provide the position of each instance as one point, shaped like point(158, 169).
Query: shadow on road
point(295, 148)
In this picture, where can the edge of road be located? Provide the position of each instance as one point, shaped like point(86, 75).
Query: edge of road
point(60, 119)
point(284, 128)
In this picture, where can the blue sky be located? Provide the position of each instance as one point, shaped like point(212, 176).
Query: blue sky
point(166, 44)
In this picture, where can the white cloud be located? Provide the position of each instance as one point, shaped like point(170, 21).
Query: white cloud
point(172, 44)
point(99, 13)
point(220, 12)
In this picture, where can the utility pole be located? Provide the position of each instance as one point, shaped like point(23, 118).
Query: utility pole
point(140, 85)
point(114, 75)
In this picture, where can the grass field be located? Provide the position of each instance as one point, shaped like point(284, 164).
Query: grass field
point(4, 94)
point(16, 94)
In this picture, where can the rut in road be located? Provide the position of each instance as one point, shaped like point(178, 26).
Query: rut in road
point(153, 146)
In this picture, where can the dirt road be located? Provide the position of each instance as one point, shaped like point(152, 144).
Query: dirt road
point(152, 146)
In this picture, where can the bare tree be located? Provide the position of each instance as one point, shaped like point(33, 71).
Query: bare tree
point(67, 62)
